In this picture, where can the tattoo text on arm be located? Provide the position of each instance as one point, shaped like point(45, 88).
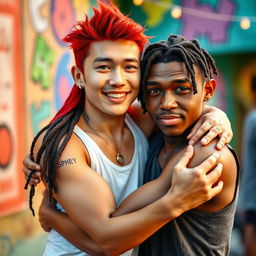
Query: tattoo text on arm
point(66, 162)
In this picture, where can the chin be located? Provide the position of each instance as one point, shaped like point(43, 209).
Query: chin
point(174, 133)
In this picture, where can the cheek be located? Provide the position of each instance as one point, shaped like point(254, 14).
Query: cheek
point(152, 105)
point(195, 109)
point(135, 80)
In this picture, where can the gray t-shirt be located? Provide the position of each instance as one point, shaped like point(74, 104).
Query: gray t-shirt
point(195, 232)
point(248, 183)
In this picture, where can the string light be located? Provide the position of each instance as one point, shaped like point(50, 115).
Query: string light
point(138, 2)
point(177, 11)
point(245, 23)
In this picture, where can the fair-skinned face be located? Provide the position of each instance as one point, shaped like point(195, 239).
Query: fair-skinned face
point(170, 100)
point(111, 76)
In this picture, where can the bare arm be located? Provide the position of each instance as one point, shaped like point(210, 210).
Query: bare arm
point(118, 234)
point(229, 175)
point(214, 122)
point(154, 189)
point(51, 218)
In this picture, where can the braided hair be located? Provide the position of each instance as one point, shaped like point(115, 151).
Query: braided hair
point(176, 48)
point(54, 141)
point(107, 23)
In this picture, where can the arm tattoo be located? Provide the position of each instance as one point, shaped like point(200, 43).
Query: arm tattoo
point(66, 162)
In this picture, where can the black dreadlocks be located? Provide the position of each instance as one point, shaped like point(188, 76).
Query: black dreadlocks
point(54, 142)
point(176, 48)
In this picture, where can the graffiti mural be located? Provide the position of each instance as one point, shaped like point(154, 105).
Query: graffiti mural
point(198, 25)
point(42, 61)
point(62, 18)
point(12, 196)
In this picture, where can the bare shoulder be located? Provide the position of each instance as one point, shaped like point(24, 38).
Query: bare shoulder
point(74, 155)
point(74, 146)
point(229, 174)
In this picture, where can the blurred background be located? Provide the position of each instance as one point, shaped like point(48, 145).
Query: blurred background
point(35, 80)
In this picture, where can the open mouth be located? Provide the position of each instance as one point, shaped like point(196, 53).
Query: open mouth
point(116, 97)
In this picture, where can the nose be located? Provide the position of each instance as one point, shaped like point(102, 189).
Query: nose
point(117, 77)
point(168, 101)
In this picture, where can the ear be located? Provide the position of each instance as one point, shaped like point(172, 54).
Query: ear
point(209, 89)
point(78, 77)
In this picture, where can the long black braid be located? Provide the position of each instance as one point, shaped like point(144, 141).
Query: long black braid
point(54, 142)
point(176, 48)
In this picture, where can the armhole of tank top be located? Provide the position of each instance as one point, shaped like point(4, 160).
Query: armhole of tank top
point(76, 131)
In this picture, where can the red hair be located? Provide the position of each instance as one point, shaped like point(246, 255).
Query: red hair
point(107, 23)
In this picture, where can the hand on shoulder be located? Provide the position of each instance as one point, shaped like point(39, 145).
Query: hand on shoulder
point(229, 174)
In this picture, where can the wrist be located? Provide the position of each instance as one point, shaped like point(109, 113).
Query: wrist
point(172, 205)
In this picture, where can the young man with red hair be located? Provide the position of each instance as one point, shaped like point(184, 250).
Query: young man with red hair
point(94, 151)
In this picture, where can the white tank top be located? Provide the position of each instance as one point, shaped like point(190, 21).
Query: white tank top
point(123, 180)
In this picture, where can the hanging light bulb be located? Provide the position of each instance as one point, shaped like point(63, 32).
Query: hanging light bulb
point(138, 2)
point(176, 12)
point(245, 23)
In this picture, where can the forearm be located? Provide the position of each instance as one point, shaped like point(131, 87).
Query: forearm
point(68, 229)
point(122, 233)
point(146, 194)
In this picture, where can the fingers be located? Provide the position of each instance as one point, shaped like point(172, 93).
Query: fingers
point(45, 228)
point(35, 178)
point(214, 175)
point(184, 160)
point(200, 129)
point(216, 189)
point(211, 134)
point(208, 164)
point(194, 136)
point(225, 138)
point(30, 165)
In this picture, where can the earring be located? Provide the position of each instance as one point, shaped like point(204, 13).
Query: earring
point(79, 84)
point(206, 99)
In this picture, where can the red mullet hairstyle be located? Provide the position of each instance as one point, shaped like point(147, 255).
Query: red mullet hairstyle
point(107, 23)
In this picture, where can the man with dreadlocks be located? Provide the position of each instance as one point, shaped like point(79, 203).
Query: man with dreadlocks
point(176, 84)
point(93, 154)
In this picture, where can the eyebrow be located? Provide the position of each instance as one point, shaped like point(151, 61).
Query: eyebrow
point(152, 83)
point(185, 80)
point(102, 59)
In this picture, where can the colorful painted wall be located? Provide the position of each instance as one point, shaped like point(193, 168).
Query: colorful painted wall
point(217, 24)
point(35, 80)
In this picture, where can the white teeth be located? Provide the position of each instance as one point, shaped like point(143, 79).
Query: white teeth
point(116, 95)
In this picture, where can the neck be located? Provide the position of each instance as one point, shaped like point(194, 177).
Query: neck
point(111, 137)
point(176, 142)
point(111, 126)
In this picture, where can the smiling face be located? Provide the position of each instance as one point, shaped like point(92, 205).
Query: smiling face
point(170, 100)
point(111, 76)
